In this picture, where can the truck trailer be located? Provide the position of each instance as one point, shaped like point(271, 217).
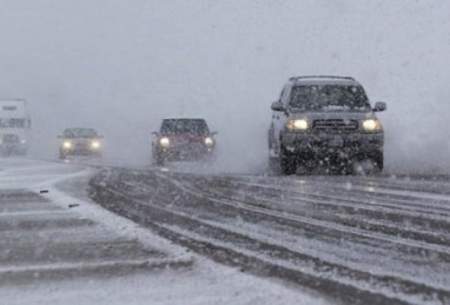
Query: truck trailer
point(15, 127)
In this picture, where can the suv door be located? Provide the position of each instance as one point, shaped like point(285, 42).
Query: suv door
point(279, 119)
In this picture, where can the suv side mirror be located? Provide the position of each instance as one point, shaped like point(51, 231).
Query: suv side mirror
point(278, 106)
point(379, 106)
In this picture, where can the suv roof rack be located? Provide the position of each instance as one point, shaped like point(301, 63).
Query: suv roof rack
point(320, 76)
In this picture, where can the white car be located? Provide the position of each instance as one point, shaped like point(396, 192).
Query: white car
point(80, 142)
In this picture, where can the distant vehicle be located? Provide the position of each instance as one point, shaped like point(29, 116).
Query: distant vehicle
point(15, 126)
point(80, 142)
point(183, 139)
point(325, 120)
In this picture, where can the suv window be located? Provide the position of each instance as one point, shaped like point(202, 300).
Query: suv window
point(329, 98)
point(177, 126)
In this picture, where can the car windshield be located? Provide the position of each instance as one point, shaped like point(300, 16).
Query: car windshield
point(329, 98)
point(177, 126)
point(80, 133)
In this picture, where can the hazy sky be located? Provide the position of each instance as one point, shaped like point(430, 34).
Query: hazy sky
point(121, 66)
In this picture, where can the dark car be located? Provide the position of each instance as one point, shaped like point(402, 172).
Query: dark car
point(183, 139)
point(325, 120)
point(80, 142)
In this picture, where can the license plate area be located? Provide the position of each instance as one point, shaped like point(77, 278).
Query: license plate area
point(336, 141)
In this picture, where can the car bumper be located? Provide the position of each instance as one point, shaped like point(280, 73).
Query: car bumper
point(194, 152)
point(338, 144)
point(80, 151)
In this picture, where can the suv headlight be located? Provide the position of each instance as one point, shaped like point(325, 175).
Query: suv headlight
point(67, 144)
point(164, 142)
point(95, 144)
point(371, 125)
point(209, 141)
point(301, 124)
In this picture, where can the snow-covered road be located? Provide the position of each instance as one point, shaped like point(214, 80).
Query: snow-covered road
point(58, 247)
point(377, 240)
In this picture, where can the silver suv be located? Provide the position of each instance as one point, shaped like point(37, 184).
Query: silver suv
point(325, 120)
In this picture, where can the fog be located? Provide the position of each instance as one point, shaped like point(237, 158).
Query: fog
point(122, 66)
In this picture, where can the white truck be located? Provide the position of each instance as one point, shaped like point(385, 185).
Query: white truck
point(15, 127)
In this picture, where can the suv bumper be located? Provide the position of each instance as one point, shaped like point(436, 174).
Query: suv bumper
point(347, 145)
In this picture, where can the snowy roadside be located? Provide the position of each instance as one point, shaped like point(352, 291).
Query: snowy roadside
point(204, 282)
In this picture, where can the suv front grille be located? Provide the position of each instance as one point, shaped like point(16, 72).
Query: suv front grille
point(335, 126)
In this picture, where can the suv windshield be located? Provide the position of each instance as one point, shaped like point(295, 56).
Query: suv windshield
point(329, 98)
point(80, 133)
point(177, 126)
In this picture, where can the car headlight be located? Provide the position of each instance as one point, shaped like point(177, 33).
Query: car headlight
point(164, 142)
point(95, 145)
point(371, 125)
point(209, 141)
point(298, 124)
point(67, 144)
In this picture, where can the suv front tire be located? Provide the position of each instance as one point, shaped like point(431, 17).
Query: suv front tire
point(288, 162)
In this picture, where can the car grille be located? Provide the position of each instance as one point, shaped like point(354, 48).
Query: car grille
point(335, 126)
point(11, 139)
point(82, 146)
